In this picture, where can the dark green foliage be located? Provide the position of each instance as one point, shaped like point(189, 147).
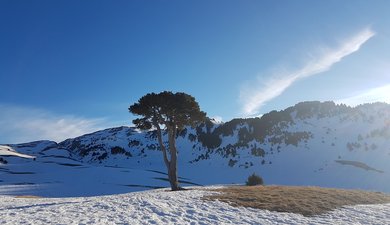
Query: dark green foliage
point(201, 157)
point(120, 150)
point(152, 134)
point(192, 137)
point(167, 108)
point(258, 152)
point(117, 150)
point(229, 151)
point(353, 145)
point(115, 130)
point(152, 147)
point(134, 143)
point(85, 150)
point(209, 124)
point(274, 117)
point(103, 156)
point(267, 124)
point(232, 162)
point(75, 145)
point(246, 165)
point(294, 138)
point(228, 128)
point(382, 132)
point(130, 132)
point(244, 136)
point(182, 133)
point(320, 109)
point(254, 179)
point(209, 140)
point(272, 123)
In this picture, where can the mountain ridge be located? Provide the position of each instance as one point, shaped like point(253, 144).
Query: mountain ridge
point(310, 143)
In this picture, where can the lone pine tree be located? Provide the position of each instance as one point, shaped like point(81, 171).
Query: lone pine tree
point(171, 112)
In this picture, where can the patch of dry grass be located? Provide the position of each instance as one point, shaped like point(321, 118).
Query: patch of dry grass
point(308, 201)
point(27, 196)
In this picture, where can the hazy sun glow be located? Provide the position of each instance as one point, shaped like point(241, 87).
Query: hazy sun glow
point(378, 94)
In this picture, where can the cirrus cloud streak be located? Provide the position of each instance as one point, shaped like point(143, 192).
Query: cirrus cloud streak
point(254, 96)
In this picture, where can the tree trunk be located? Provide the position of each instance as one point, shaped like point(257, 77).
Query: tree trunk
point(162, 146)
point(172, 170)
point(172, 163)
point(172, 174)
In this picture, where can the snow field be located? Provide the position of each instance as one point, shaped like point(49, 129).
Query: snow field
point(165, 207)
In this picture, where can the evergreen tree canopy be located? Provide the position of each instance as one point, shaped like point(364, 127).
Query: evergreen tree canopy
point(174, 111)
point(166, 108)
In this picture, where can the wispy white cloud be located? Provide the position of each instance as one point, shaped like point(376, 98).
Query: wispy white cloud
point(22, 124)
point(378, 94)
point(254, 96)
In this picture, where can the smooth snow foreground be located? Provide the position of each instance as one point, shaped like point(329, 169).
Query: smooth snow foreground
point(165, 207)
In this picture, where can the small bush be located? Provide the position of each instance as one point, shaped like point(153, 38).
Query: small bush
point(254, 179)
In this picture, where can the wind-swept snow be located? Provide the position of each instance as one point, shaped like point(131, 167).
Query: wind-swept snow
point(166, 207)
point(8, 151)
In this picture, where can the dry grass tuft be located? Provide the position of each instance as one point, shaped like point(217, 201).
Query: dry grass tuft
point(27, 196)
point(308, 201)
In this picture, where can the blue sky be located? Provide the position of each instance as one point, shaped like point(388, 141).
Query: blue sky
point(70, 67)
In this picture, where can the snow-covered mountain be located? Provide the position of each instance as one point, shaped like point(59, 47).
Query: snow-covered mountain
point(311, 143)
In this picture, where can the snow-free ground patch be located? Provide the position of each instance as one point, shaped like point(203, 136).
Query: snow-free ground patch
point(165, 207)
point(308, 201)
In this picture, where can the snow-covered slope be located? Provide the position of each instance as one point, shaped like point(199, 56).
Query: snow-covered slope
point(55, 173)
point(311, 143)
point(8, 151)
point(165, 207)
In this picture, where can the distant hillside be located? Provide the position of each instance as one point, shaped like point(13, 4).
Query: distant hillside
point(311, 143)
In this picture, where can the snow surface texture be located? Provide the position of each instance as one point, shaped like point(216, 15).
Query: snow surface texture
point(166, 207)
